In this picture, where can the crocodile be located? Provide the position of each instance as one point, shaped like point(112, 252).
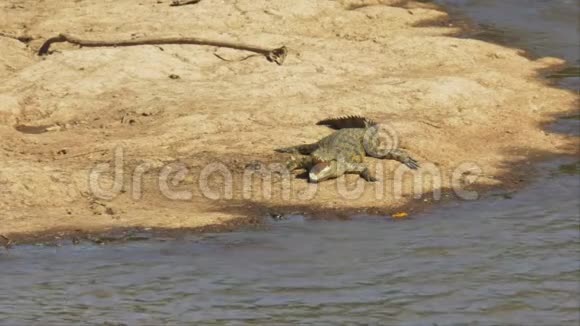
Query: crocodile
point(344, 150)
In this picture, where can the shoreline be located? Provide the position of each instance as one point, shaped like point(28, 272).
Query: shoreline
point(253, 212)
point(256, 216)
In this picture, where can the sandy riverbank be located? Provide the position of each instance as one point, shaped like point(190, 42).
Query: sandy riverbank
point(448, 100)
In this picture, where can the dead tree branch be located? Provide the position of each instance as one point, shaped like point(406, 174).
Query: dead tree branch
point(276, 55)
point(176, 3)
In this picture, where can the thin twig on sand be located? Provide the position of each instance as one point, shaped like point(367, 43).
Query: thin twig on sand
point(234, 60)
point(276, 55)
point(176, 3)
point(7, 243)
point(430, 124)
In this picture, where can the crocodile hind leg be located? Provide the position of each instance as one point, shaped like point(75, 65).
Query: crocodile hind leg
point(360, 169)
point(300, 149)
point(403, 157)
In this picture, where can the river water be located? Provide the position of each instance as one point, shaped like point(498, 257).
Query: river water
point(511, 258)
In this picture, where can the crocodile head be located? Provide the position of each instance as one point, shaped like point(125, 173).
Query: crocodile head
point(322, 171)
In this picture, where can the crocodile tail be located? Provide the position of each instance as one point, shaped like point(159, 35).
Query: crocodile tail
point(350, 121)
point(300, 149)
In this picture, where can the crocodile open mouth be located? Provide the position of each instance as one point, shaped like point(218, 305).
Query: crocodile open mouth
point(319, 172)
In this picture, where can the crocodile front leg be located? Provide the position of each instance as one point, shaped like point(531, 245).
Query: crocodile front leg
point(304, 162)
point(360, 169)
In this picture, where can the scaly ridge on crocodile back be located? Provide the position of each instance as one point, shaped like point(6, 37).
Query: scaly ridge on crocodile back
point(349, 121)
point(344, 150)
